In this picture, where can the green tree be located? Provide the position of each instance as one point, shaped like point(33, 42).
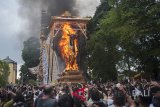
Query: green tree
point(103, 53)
point(30, 55)
point(137, 24)
point(4, 73)
point(130, 31)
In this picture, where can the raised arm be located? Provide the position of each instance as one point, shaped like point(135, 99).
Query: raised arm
point(129, 99)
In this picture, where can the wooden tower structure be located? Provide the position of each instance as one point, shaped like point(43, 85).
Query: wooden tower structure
point(74, 76)
point(53, 71)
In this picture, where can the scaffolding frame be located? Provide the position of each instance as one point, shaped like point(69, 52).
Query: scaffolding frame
point(55, 27)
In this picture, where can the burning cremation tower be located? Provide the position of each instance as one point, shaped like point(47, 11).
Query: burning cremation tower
point(69, 27)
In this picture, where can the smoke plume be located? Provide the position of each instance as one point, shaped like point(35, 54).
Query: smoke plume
point(30, 12)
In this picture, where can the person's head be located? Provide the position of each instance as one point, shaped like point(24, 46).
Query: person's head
point(47, 90)
point(144, 101)
point(3, 97)
point(95, 95)
point(100, 104)
point(108, 89)
point(36, 88)
point(156, 101)
point(118, 98)
point(77, 102)
point(18, 98)
point(154, 91)
point(65, 89)
point(65, 100)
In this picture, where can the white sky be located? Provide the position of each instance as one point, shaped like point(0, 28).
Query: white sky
point(87, 7)
point(11, 24)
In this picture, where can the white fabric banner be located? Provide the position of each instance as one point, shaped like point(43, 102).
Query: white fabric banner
point(45, 66)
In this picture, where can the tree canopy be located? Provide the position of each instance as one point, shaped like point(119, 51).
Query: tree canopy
point(30, 55)
point(127, 38)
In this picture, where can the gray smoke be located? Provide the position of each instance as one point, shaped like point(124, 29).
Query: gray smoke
point(30, 12)
point(57, 7)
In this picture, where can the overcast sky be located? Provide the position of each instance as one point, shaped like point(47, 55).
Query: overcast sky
point(11, 24)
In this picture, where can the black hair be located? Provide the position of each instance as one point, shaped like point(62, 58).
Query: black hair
point(77, 102)
point(66, 89)
point(119, 98)
point(18, 98)
point(146, 101)
point(65, 100)
point(36, 88)
point(95, 95)
point(47, 90)
point(99, 104)
point(156, 101)
point(154, 90)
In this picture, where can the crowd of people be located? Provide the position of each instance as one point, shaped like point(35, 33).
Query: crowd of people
point(139, 93)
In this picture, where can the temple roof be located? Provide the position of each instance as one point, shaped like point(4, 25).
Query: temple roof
point(8, 60)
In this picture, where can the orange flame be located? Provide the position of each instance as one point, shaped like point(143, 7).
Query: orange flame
point(68, 47)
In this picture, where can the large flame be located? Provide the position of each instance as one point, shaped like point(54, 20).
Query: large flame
point(68, 47)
